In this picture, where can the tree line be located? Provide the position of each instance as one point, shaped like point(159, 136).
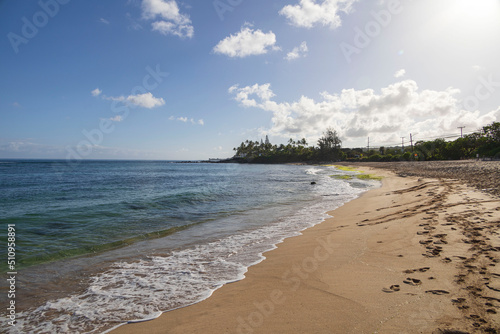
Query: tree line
point(328, 149)
point(483, 143)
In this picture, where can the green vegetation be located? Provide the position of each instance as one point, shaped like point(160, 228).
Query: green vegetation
point(483, 143)
point(329, 149)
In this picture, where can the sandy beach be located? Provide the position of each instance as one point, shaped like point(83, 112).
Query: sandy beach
point(418, 255)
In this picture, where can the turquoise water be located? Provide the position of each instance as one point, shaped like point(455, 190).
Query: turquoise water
point(192, 227)
point(99, 204)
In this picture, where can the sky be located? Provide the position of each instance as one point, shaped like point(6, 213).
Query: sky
point(191, 79)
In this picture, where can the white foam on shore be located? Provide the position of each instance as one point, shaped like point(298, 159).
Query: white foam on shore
point(143, 289)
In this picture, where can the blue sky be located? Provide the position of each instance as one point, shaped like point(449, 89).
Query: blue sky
point(165, 79)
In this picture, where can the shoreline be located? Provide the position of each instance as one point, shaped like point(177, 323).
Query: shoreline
point(371, 267)
point(119, 291)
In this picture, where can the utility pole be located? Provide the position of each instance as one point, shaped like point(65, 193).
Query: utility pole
point(402, 144)
point(461, 130)
point(368, 145)
point(411, 142)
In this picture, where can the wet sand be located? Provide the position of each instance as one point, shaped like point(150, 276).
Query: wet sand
point(416, 255)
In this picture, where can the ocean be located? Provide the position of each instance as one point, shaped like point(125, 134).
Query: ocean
point(100, 243)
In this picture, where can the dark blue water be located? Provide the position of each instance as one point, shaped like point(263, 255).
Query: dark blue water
point(197, 226)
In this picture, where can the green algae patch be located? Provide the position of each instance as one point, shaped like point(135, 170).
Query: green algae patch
point(369, 177)
point(346, 169)
point(342, 177)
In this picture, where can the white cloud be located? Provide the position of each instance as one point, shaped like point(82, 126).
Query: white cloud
point(166, 28)
point(186, 119)
point(262, 91)
point(103, 20)
point(399, 74)
point(96, 92)
point(146, 100)
point(308, 12)
point(117, 118)
point(16, 104)
point(168, 19)
point(297, 52)
point(397, 110)
point(247, 42)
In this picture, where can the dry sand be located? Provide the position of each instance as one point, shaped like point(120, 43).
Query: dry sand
point(414, 256)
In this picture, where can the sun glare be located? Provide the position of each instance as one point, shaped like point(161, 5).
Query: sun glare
point(475, 9)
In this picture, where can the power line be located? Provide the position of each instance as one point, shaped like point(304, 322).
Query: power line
point(413, 139)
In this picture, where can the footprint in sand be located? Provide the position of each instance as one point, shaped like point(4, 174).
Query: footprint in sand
point(492, 286)
point(411, 271)
point(437, 292)
point(412, 281)
point(458, 300)
point(392, 288)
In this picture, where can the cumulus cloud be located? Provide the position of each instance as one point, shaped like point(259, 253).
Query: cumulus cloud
point(398, 109)
point(168, 20)
point(263, 92)
point(96, 92)
point(399, 74)
point(247, 42)
point(309, 12)
point(146, 100)
point(297, 52)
